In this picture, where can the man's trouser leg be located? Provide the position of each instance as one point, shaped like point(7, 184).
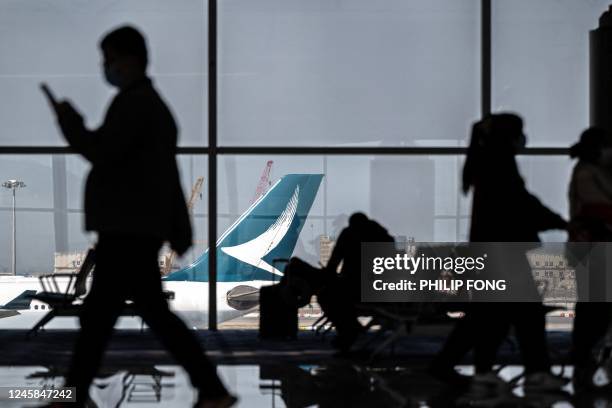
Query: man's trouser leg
point(529, 321)
point(491, 327)
point(99, 313)
point(171, 330)
point(458, 343)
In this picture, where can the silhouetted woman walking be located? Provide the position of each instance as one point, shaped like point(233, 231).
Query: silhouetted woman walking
point(502, 211)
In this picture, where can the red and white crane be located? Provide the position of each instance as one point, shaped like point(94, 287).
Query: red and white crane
point(264, 182)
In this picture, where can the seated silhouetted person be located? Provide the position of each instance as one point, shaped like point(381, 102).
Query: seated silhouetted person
point(134, 201)
point(342, 292)
point(347, 250)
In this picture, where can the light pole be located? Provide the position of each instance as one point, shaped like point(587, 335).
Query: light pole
point(14, 185)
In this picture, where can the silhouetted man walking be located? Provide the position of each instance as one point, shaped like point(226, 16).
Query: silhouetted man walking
point(134, 201)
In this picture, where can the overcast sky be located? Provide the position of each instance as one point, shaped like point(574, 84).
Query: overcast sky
point(297, 72)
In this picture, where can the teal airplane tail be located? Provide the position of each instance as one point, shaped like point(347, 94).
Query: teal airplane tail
point(268, 230)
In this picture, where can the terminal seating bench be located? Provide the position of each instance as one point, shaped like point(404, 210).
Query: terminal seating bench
point(65, 299)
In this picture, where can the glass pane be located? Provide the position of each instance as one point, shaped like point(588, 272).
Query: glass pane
point(49, 209)
point(541, 65)
point(405, 194)
point(359, 72)
point(58, 43)
point(35, 172)
point(44, 216)
point(50, 233)
point(413, 197)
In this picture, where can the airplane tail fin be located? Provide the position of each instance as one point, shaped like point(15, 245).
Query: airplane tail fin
point(268, 230)
point(21, 302)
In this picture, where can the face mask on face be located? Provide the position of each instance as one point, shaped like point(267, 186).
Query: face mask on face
point(520, 142)
point(112, 75)
point(605, 158)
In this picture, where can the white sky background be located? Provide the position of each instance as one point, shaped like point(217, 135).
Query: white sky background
point(342, 72)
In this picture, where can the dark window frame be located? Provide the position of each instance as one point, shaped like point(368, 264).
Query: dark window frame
point(213, 150)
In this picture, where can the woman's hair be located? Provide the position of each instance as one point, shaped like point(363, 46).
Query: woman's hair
point(474, 154)
point(590, 144)
point(497, 135)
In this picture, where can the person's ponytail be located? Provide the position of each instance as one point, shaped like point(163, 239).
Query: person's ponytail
point(474, 156)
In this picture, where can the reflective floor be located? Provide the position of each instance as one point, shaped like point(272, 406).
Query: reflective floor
point(340, 384)
point(138, 372)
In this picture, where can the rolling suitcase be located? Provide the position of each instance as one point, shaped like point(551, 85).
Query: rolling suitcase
point(277, 319)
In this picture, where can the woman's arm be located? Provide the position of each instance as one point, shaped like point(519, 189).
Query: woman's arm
point(542, 217)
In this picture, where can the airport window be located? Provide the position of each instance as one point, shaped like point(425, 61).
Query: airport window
point(38, 43)
point(424, 204)
point(541, 65)
point(377, 73)
point(360, 91)
point(49, 214)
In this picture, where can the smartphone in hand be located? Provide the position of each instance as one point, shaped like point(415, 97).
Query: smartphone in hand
point(49, 95)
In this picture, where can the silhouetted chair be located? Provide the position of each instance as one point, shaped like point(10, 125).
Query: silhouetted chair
point(322, 325)
point(65, 299)
point(395, 321)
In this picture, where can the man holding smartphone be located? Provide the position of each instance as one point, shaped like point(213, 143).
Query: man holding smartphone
point(134, 201)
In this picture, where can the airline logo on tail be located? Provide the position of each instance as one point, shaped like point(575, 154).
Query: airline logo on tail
point(268, 230)
point(252, 252)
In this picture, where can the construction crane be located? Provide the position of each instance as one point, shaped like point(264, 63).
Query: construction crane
point(195, 192)
point(264, 182)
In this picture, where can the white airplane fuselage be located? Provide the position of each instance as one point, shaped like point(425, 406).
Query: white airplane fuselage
point(190, 303)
